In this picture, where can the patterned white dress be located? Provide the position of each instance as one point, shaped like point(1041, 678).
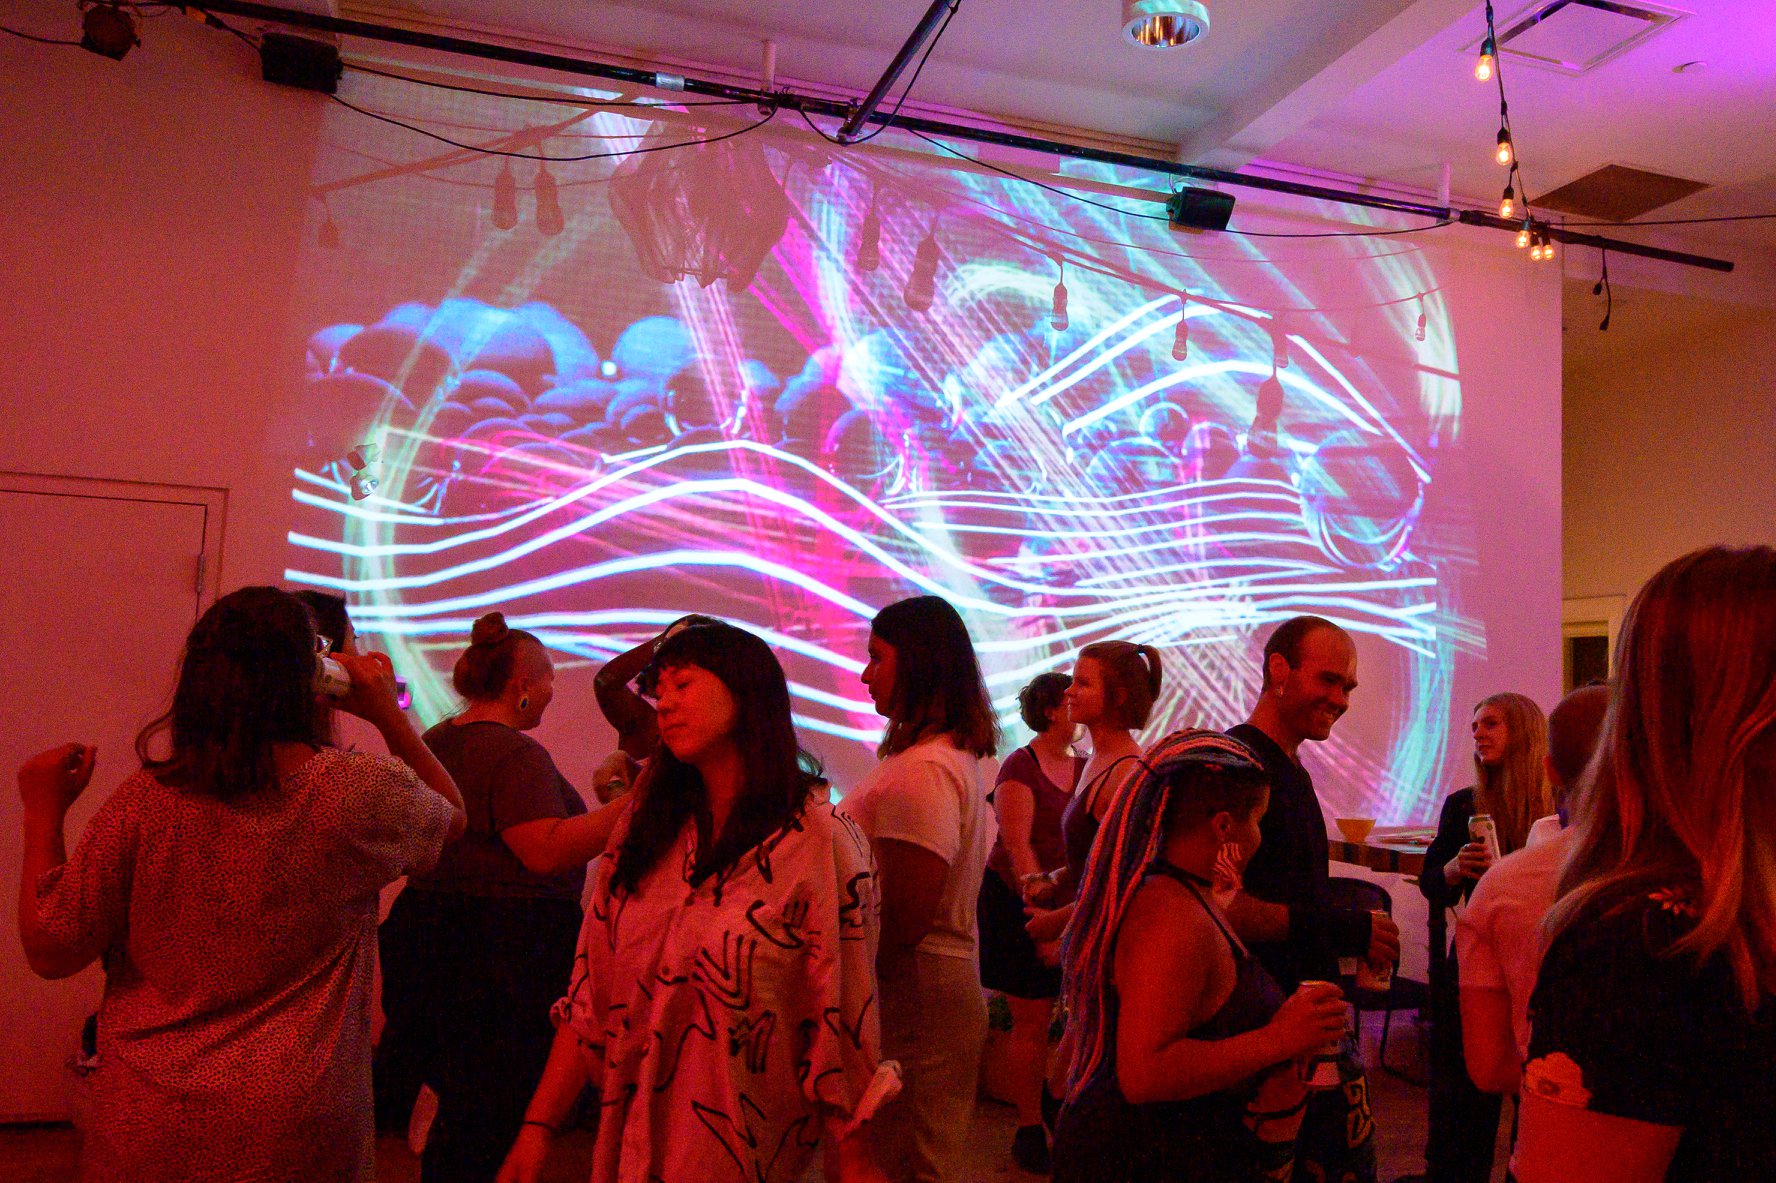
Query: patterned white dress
point(722, 1022)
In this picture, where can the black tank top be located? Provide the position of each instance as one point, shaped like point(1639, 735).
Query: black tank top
point(1245, 1133)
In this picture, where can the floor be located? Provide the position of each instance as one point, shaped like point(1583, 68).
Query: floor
point(49, 1154)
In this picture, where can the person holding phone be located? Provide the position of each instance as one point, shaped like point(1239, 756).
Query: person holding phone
point(230, 889)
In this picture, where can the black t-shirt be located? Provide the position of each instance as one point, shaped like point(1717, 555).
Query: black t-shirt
point(1620, 1027)
point(506, 779)
point(1452, 835)
point(1293, 863)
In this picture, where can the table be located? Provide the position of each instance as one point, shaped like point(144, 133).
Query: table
point(1382, 852)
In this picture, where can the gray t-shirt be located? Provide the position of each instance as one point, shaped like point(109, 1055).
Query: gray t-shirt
point(506, 779)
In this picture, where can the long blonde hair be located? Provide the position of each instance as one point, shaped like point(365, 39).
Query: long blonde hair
point(1515, 791)
point(1682, 790)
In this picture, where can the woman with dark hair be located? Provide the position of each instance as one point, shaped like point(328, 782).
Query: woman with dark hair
point(625, 682)
point(1035, 784)
point(477, 949)
point(230, 888)
point(925, 812)
point(723, 1001)
point(332, 620)
point(1653, 1022)
point(1186, 1046)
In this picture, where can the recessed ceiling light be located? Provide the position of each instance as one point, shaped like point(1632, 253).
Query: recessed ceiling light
point(1164, 24)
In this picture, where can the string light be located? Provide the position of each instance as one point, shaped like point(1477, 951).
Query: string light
point(921, 284)
point(869, 241)
point(1419, 333)
point(1181, 339)
point(1058, 315)
point(1523, 235)
point(1506, 154)
point(548, 203)
point(1508, 203)
point(505, 198)
point(1484, 67)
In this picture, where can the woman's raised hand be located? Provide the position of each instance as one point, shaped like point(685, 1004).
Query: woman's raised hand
point(50, 782)
point(373, 695)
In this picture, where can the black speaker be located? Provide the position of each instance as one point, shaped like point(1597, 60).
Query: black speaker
point(1199, 209)
point(300, 61)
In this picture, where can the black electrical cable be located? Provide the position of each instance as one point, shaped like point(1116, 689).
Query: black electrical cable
point(465, 147)
point(37, 39)
point(566, 100)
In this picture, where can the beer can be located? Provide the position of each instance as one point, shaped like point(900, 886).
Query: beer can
point(1483, 830)
point(1370, 978)
point(1321, 1069)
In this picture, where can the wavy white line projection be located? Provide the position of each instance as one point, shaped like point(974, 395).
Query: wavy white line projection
point(595, 454)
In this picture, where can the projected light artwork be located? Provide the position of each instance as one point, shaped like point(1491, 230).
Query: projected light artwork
point(884, 373)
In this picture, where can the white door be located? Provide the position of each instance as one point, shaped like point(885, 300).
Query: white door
point(101, 583)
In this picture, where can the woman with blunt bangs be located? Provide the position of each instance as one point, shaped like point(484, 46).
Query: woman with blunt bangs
point(925, 812)
point(230, 889)
point(723, 1002)
point(1185, 1070)
point(1653, 1022)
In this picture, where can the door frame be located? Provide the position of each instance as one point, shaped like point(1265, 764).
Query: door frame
point(207, 581)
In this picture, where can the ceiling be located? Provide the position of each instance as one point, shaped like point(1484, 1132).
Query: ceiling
point(1375, 89)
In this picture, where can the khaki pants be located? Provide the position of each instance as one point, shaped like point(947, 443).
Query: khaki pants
point(934, 1021)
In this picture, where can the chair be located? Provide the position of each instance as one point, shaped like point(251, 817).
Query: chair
point(1373, 897)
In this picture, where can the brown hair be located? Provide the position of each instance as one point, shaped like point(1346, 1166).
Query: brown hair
point(1573, 727)
point(1287, 640)
point(1039, 698)
point(485, 668)
point(1515, 790)
point(1131, 679)
point(938, 688)
point(1682, 792)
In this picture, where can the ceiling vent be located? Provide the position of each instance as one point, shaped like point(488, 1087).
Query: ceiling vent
point(1615, 193)
point(1573, 37)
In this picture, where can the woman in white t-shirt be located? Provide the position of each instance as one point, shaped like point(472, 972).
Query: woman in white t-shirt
point(926, 814)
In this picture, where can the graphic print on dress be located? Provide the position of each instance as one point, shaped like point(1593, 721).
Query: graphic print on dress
point(857, 907)
point(794, 918)
point(741, 1139)
point(730, 977)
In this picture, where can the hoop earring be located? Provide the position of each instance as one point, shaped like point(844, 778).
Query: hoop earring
point(524, 703)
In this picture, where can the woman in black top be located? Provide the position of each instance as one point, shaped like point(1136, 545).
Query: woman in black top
point(1511, 786)
point(1186, 1047)
point(476, 951)
point(1653, 1023)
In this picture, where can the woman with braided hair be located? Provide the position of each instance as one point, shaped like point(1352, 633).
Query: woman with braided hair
point(1185, 1046)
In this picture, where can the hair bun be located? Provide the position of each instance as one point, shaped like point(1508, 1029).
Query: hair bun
point(490, 629)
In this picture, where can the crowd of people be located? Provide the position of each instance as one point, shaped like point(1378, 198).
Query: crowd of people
point(725, 966)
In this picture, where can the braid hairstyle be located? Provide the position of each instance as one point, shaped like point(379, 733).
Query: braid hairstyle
point(1131, 838)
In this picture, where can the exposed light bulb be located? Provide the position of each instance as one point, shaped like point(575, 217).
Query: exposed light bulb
point(505, 197)
point(921, 284)
point(1505, 154)
point(1419, 333)
point(1508, 204)
point(1523, 235)
point(869, 242)
point(1181, 339)
point(1487, 63)
point(548, 203)
point(1057, 316)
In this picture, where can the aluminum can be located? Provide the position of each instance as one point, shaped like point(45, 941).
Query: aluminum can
point(1370, 978)
point(1321, 1069)
point(1483, 830)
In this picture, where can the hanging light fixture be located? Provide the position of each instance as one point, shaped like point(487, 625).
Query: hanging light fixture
point(505, 197)
point(1508, 203)
point(921, 284)
point(548, 203)
point(1164, 24)
point(1181, 339)
point(1523, 235)
point(1057, 316)
point(1506, 153)
point(869, 241)
point(328, 238)
point(1488, 61)
point(1418, 334)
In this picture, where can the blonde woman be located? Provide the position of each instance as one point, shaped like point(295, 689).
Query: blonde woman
point(1511, 787)
point(1653, 1023)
